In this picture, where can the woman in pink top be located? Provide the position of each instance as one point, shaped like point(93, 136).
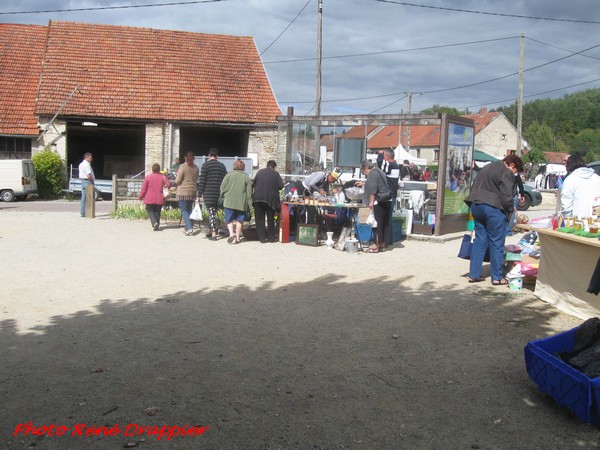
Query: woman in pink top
point(152, 194)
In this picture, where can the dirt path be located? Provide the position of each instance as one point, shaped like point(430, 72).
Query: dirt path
point(271, 346)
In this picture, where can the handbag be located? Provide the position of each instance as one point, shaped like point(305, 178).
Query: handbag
point(196, 213)
point(384, 197)
point(166, 192)
point(220, 202)
point(466, 248)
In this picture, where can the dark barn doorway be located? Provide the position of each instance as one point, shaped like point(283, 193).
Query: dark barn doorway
point(117, 148)
point(229, 141)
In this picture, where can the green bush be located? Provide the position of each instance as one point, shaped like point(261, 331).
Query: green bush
point(50, 170)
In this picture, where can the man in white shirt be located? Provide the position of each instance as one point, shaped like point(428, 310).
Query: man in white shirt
point(86, 175)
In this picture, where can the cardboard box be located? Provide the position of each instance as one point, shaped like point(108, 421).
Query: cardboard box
point(529, 280)
point(422, 228)
point(363, 214)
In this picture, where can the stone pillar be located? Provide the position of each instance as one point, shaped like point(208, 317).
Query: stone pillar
point(155, 151)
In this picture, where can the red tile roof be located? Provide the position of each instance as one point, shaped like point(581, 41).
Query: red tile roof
point(420, 136)
point(142, 73)
point(482, 119)
point(21, 51)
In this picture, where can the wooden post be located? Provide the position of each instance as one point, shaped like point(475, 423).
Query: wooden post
point(90, 201)
point(114, 192)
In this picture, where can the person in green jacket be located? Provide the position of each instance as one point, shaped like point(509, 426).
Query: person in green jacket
point(236, 190)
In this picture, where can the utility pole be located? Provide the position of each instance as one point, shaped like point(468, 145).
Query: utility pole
point(319, 54)
point(408, 127)
point(520, 96)
point(319, 57)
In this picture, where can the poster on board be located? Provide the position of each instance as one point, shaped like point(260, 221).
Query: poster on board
point(459, 158)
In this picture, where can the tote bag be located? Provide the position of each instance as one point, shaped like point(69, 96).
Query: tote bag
point(466, 248)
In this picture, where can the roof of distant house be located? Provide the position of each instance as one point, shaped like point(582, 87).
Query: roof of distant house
point(148, 74)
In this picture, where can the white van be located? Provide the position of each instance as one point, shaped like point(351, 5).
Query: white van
point(17, 179)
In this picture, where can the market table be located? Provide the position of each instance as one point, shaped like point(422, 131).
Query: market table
point(284, 226)
point(566, 266)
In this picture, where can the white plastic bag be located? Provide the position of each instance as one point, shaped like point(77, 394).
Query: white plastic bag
point(196, 213)
point(371, 220)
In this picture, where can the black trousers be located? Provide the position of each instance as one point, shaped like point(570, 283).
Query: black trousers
point(262, 210)
point(382, 212)
point(154, 213)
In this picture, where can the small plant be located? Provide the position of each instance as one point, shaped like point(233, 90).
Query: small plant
point(137, 211)
point(50, 170)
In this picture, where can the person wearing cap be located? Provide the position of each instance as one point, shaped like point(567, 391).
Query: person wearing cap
point(319, 182)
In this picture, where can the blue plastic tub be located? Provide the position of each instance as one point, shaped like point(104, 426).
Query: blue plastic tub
point(364, 232)
point(568, 386)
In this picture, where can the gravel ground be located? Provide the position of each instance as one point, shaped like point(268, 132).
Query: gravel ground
point(270, 346)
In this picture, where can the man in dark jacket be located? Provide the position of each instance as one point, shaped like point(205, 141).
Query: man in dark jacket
point(491, 203)
point(209, 188)
point(389, 166)
point(265, 197)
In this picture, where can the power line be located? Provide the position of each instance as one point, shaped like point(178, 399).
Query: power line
point(389, 104)
point(285, 29)
point(431, 47)
point(100, 8)
point(559, 48)
point(532, 95)
point(478, 83)
point(489, 13)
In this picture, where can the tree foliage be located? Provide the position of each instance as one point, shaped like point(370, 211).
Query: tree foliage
point(50, 170)
point(442, 109)
point(573, 121)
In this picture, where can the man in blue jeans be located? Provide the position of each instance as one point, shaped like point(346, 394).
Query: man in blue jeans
point(86, 175)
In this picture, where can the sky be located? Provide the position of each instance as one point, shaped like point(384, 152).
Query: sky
point(462, 54)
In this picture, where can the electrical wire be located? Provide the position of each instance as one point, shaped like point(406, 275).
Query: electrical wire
point(431, 47)
point(436, 91)
point(101, 8)
point(285, 29)
point(558, 48)
point(517, 16)
point(389, 104)
point(532, 95)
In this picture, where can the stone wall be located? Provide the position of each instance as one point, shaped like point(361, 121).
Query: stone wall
point(55, 138)
point(263, 144)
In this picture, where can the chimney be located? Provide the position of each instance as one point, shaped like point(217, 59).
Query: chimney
point(483, 111)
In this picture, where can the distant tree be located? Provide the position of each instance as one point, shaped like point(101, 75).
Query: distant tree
point(539, 137)
point(442, 109)
point(587, 143)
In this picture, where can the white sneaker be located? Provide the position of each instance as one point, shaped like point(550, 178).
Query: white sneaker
point(189, 232)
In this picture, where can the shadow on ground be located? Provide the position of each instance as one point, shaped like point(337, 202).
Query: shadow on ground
point(326, 364)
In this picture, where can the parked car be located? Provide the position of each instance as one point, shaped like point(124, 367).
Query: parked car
point(532, 197)
point(596, 166)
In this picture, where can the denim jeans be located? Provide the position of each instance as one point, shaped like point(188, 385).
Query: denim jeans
point(185, 207)
point(84, 185)
point(490, 231)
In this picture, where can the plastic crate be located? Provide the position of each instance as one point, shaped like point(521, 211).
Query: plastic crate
point(568, 386)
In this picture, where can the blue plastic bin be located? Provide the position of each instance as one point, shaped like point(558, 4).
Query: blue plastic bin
point(568, 387)
point(364, 232)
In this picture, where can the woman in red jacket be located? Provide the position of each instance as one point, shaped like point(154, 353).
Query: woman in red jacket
point(152, 194)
